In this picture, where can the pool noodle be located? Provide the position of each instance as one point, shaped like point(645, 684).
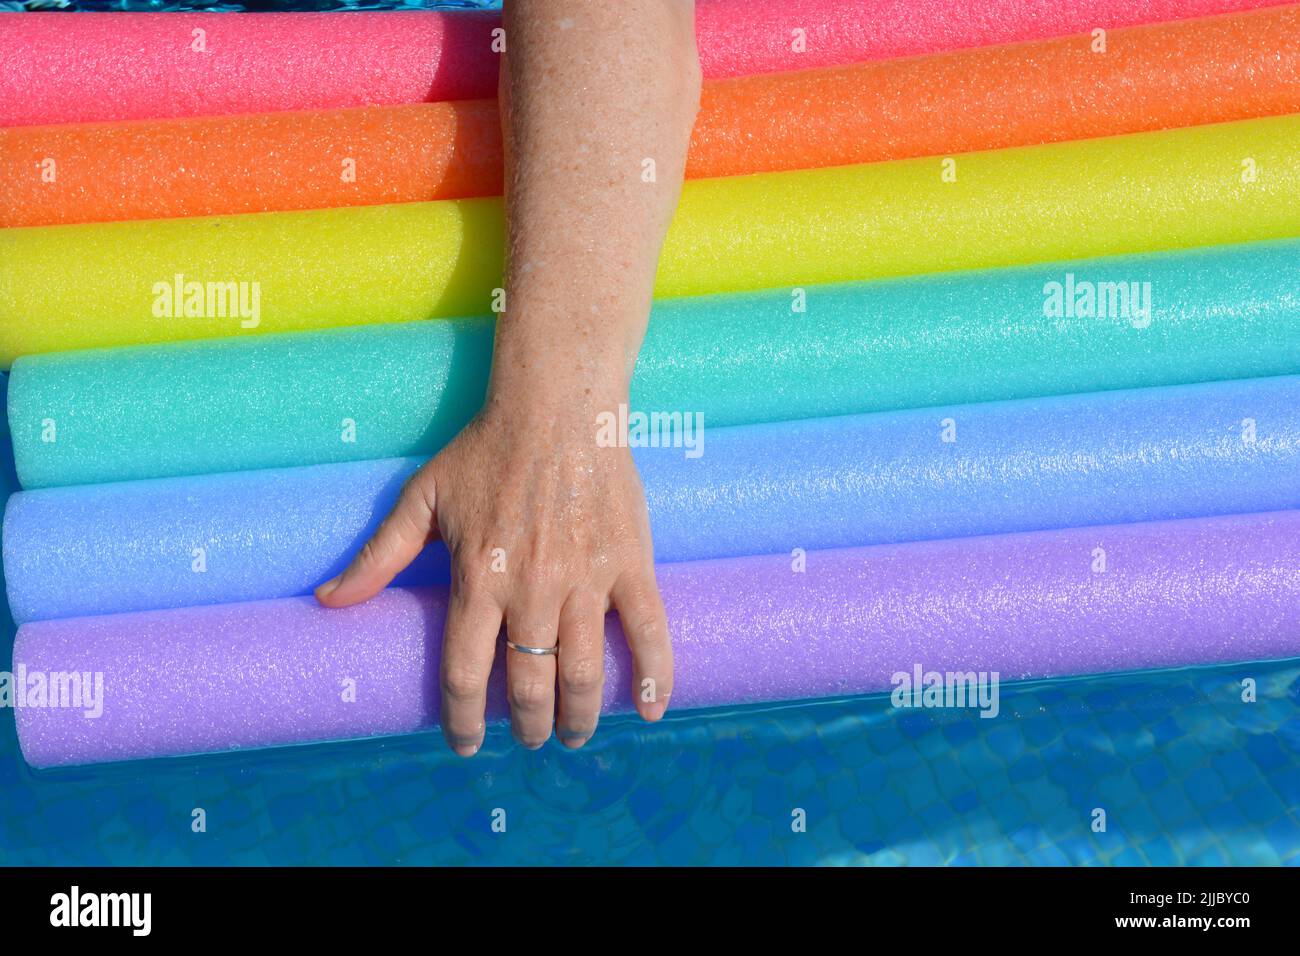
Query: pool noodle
point(129, 65)
point(744, 630)
point(107, 66)
point(1167, 75)
point(1162, 76)
point(283, 400)
point(1099, 458)
point(377, 264)
point(259, 162)
point(8, 485)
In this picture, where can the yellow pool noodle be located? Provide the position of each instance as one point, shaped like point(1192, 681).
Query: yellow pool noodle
point(82, 286)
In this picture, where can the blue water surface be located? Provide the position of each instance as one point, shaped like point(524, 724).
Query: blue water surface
point(1185, 770)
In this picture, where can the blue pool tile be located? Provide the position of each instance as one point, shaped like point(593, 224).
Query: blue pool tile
point(1166, 729)
point(1150, 772)
point(1028, 767)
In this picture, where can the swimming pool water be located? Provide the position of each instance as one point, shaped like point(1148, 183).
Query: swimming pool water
point(1186, 771)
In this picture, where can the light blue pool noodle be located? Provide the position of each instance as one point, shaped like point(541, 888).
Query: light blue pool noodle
point(390, 391)
point(1099, 458)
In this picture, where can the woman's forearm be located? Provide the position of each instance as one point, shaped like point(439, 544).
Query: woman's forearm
point(597, 103)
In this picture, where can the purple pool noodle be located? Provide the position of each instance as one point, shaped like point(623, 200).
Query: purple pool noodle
point(225, 677)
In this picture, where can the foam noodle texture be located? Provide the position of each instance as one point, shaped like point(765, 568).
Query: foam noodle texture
point(318, 268)
point(1155, 77)
point(1183, 73)
point(1146, 454)
point(105, 66)
point(269, 272)
point(396, 390)
point(744, 630)
point(8, 485)
point(211, 165)
point(147, 65)
point(203, 540)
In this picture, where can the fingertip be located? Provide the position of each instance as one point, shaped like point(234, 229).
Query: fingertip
point(324, 591)
point(343, 592)
point(531, 741)
point(463, 745)
point(652, 711)
point(575, 738)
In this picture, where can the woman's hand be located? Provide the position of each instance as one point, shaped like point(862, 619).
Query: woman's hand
point(547, 531)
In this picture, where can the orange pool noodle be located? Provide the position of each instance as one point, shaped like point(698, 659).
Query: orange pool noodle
point(1139, 79)
point(263, 162)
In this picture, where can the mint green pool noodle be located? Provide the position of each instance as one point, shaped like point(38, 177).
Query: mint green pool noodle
point(8, 485)
point(397, 390)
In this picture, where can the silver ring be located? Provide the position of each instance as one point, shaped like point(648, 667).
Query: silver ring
point(535, 651)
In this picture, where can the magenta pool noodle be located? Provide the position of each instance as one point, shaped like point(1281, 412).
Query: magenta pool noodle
point(62, 68)
point(1033, 464)
point(744, 630)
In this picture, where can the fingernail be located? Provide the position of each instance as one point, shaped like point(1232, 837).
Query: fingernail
point(655, 709)
point(328, 588)
point(573, 743)
point(466, 750)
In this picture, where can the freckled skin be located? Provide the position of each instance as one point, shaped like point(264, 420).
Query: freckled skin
point(590, 90)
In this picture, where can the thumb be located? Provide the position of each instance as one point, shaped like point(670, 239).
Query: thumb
point(395, 544)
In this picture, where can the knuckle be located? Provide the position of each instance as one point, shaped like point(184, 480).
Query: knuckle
point(582, 676)
point(462, 683)
point(541, 581)
point(646, 624)
point(530, 694)
point(485, 560)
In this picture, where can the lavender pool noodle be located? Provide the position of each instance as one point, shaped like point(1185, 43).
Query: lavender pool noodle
point(1040, 604)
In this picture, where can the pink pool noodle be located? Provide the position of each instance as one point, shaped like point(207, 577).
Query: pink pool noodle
point(65, 68)
point(1041, 604)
